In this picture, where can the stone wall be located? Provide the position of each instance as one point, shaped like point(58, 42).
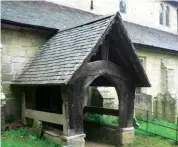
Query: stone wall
point(19, 44)
point(154, 61)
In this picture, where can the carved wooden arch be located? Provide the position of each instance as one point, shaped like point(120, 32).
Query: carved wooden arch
point(97, 67)
point(116, 75)
point(114, 80)
point(91, 71)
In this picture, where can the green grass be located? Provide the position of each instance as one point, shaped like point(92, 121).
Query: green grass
point(23, 137)
point(104, 118)
point(159, 130)
point(152, 128)
point(143, 139)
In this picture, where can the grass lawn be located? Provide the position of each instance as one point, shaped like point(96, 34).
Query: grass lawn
point(160, 130)
point(154, 128)
point(143, 139)
point(23, 137)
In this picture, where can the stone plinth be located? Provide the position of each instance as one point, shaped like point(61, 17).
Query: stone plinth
point(126, 135)
point(74, 141)
point(66, 141)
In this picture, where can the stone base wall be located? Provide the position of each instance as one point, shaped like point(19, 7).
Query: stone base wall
point(18, 46)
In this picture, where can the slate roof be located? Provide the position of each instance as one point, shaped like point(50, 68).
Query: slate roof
point(57, 60)
point(59, 17)
point(152, 37)
point(43, 13)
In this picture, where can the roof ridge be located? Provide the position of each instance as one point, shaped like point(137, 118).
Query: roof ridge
point(87, 23)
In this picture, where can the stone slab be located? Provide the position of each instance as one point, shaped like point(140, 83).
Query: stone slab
point(126, 136)
point(66, 141)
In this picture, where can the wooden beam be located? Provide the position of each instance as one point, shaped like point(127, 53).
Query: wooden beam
point(105, 50)
point(23, 107)
point(99, 67)
point(100, 110)
point(45, 116)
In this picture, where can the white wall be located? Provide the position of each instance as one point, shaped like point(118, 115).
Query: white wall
point(144, 12)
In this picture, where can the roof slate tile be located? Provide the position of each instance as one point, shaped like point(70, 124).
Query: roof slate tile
point(57, 60)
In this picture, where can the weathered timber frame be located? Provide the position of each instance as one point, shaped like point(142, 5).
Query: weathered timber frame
point(33, 114)
point(78, 93)
point(112, 57)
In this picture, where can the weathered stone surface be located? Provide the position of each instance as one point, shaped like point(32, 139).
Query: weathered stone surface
point(30, 52)
point(16, 51)
point(17, 67)
point(126, 136)
point(6, 77)
point(74, 142)
point(37, 128)
point(5, 58)
point(71, 141)
point(18, 59)
point(6, 88)
point(6, 68)
point(18, 45)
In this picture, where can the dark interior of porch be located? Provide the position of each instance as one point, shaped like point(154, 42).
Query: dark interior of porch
point(95, 113)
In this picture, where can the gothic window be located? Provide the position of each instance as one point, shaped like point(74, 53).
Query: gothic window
point(122, 6)
point(167, 15)
point(161, 14)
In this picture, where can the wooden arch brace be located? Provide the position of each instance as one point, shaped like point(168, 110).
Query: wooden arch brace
point(85, 76)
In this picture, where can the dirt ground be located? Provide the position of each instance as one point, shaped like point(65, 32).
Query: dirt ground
point(96, 144)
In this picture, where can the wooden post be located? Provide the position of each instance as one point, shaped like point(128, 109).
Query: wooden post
point(64, 111)
point(105, 51)
point(130, 107)
point(65, 125)
point(23, 108)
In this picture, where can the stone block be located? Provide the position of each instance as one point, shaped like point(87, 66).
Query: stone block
point(6, 68)
point(31, 52)
point(74, 141)
point(17, 67)
point(65, 141)
point(6, 77)
point(6, 88)
point(5, 58)
point(16, 51)
point(18, 59)
point(126, 135)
